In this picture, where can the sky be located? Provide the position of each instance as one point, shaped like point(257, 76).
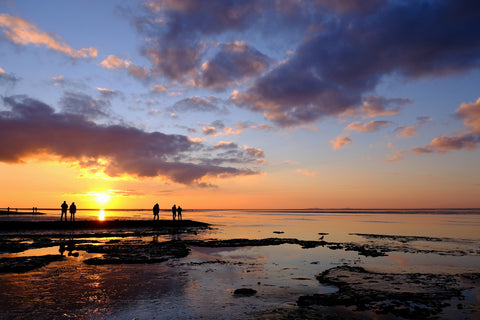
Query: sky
point(240, 104)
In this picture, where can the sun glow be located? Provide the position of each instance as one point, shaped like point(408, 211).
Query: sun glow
point(102, 197)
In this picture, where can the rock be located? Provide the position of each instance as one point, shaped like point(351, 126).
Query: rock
point(245, 292)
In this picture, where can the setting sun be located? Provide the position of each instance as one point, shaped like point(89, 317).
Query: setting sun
point(102, 197)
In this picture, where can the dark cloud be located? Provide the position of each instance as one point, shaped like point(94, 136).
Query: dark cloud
point(176, 29)
point(349, 6)
point(8, 79)
point(332, 70)
point(30, 127)
point(82, 104)
point(235, 62)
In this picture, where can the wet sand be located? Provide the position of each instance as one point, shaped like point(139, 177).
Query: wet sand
point(166, 269)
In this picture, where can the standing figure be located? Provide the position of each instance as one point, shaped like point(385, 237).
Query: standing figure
point(73, 209)
point(179, 210)
point(64, 210)
point(174, 212)
point(156, 210)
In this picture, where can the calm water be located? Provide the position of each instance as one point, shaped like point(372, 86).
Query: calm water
point(306, 224)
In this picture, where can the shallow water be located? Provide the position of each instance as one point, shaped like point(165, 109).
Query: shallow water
point(202, 284)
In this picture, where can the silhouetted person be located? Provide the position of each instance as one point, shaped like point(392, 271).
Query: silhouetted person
point(73, 209)
point(8, 209)
point(179, 211)
point(156, 210)
point(64, 210)
point(174, 212)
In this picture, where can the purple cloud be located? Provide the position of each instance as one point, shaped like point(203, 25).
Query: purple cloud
point(235, 62)
point(30, 127)
point(347, 57)
point(82, 104)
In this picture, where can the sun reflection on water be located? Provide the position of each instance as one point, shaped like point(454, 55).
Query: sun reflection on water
point(101, 215)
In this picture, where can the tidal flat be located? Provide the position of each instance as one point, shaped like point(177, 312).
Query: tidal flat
point(188, 271)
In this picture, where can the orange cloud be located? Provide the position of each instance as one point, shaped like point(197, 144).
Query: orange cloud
point(470, 113)
point(158, 88)
point(406, 132)
point(113, 62)
point(340, 142)
point(21, 31)
point(374, 125)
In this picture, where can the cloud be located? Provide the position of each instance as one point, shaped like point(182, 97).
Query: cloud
point(349, 6)
point(219, 128)
point(470, 113)
point(198, 104)
point(112, 62)
point(175, 29)
point(23, 32)
point(396, 156)
point(445, 143)
point(175, 63)
point(225, 145)
point(240, 127)
point(307, 173)
point(372, 126)
point(107, 93)
point(82, 104)
point(349, 54)
point(234, 63)
point(210, 131)
point(158, 88)
point(8, 79)
point(340, 142)
point(422, 120)
point(374, 106)
point(254, 151)
point(406, 132)
point(31, 127)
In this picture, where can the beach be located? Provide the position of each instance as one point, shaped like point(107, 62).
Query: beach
point(288, 264)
